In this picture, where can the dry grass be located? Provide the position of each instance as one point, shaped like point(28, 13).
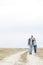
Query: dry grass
point(40, 52)
point(8, 51)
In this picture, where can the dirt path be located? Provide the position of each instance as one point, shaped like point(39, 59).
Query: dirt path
point(34, 60)
point(15, 60)
point(10, 60)
point(31, 60)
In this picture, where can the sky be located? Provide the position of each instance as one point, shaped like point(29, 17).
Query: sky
point(19, 19)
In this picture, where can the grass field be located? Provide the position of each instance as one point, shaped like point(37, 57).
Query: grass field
point(8, 51)
point(40, 52)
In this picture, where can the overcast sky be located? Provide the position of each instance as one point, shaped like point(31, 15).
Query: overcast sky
point(18, 20)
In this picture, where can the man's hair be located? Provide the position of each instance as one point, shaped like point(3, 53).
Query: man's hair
point(31, 36)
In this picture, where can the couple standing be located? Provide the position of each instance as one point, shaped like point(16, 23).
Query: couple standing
point(32, 43)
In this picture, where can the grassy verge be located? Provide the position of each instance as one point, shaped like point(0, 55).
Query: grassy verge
point(40, 52)
point(8, 51)
point(24, 57)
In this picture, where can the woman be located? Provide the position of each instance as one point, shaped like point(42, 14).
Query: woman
point(35, 46)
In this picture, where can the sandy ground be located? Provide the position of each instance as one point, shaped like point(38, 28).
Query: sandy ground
point(34, 60)
point(14, 60)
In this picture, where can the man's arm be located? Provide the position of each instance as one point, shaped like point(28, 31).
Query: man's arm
point(29, 41)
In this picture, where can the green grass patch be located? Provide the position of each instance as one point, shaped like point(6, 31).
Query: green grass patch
point(24, 57)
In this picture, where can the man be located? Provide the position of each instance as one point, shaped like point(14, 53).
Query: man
point(30, 44)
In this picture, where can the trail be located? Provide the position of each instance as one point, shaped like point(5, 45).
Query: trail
point(10, 60)
point(34, 60)
point(15, 59)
